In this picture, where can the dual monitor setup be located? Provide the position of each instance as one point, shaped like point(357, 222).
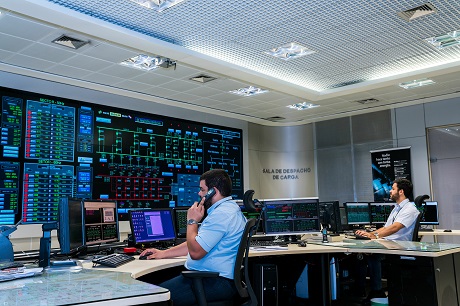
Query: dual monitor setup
point(351, 215)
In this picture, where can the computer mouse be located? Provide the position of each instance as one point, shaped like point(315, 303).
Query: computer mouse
point(448, 231)
point(302, 244)
point(144, 257)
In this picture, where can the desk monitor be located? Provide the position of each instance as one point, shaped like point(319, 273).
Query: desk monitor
point(291, 217)
point(180, 221)
point(101, 222)
point(380, 212)
point(329, 216)
point(358, 213)
point(430, 213)
point(253, 215)
point(152, 225)
point(71, 226)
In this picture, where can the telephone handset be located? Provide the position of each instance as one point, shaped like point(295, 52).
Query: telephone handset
point(211, 192)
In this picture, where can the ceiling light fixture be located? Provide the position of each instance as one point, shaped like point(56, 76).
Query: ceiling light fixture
point(248, 91)
point(302, 106)
point(444, 41)
point(416, 83)
point(145, 62)
point(158, 5)
point(416, 12)
point(290, 51)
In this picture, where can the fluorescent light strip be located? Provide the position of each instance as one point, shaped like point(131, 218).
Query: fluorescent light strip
point(302, 106)
point(416, 83)
point(248, 91)
point(445, 41)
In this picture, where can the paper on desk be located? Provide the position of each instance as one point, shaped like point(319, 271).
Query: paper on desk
point(268, 248)
point(26, 273)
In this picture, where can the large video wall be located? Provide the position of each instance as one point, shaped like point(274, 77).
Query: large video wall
point(53, 147)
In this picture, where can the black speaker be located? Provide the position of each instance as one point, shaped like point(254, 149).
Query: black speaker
point(266, 284)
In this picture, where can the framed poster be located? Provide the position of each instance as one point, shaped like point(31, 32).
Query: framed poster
point(388, 165)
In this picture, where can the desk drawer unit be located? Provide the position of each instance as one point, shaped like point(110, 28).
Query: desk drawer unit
point(421, 281)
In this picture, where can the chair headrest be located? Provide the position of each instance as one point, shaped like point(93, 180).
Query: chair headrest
point(248, 201)
point(421, 199)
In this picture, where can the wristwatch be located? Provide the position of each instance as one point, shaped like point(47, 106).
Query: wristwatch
point(376, 235)
point(191, 221)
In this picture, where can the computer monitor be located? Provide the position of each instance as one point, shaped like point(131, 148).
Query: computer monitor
point(430, 215)
point(329, 216)
point(71, 226)
point(152, 225)
point(253, 215)
point(101, 222)
point(180, 221)
point(380, 212)
point(291, 217)
point(358, 213)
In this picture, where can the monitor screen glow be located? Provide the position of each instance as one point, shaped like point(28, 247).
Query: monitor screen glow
point(152, 225)
point(430, 213)
point(358, 213)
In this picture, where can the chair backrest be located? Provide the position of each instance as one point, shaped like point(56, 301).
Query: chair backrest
point(244, 287)
point(416, 228)
point(420, 200)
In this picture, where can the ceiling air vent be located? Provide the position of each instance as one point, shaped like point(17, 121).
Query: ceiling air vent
point(416, 12)
point(275, 118)
point(70, 42)
point(202, 78)
point(367, 101)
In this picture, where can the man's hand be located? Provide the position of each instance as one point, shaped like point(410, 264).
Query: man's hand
point(365, 234)
point(196, 211)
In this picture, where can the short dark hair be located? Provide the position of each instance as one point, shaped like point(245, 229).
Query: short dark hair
point(406, 186)
point(220, 179)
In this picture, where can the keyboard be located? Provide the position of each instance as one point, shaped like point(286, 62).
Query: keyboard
point(113, 260)
point(267, 243)
point(359, 237)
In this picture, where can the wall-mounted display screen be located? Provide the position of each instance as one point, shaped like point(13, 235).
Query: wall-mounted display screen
point(53, 147)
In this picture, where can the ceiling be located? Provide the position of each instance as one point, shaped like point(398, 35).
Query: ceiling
point(362, 50)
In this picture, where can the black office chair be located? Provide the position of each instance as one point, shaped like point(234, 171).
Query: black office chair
point(245, 291)
point(420, 200)
point(416, 228)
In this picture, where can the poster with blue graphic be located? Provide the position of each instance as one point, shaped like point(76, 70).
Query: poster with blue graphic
point(388, 165)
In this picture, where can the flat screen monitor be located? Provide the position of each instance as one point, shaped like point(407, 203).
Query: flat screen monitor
point(152, 225)
point(329, 216)
point(71, 226)
point(291, 217)
point(253, 215)
point(180, 221)
point(358, 213)
point(101, 222)
point(430, 215)
point(380, 212)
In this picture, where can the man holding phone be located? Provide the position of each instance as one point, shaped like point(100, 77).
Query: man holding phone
point(210, 247)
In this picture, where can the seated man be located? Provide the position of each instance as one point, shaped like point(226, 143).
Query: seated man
point(399, 226)
point(210, 247)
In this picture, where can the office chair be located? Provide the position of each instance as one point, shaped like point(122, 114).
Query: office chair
point(245, 291)
point(416, 228)
point(420, 200)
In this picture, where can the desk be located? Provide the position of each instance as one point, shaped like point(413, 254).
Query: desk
point(85, 287)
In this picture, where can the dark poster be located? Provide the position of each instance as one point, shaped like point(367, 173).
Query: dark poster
point(388, 165)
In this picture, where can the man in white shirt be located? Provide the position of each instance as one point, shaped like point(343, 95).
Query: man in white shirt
point(399, 226)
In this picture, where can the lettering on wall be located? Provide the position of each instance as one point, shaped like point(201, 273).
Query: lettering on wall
point(285, 173)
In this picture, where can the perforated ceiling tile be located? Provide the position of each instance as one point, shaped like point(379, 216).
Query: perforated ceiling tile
point(368, 33)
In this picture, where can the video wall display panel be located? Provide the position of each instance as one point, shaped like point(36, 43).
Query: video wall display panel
point(53, 147)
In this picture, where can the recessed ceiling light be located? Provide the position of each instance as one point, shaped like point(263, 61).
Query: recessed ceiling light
point(444, 41)
point(158, 5)
point(248, 91)
point(290, 51)
point(302, 106)
point(416, 83)
point(144, 62)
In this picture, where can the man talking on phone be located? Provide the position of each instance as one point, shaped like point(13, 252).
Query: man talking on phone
point(211, 246)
